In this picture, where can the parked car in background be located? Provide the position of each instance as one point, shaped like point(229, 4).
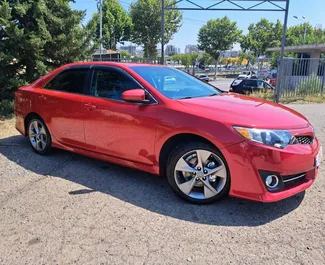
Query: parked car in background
point(207, 143)
point(264, 74)
point(203, 77)
point(247, 86)
point(273, 79)
point(247, 75)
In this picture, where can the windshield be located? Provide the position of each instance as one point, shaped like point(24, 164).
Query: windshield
point(183, 85)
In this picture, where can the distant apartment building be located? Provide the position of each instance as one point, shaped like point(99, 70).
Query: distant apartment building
point(171, 50)
point(189, 48)
point(131, 49)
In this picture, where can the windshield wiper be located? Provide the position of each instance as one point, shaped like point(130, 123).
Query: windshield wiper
point(185, 98)
point(214, 94)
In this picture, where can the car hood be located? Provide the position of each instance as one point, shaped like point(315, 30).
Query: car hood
point(246, 111)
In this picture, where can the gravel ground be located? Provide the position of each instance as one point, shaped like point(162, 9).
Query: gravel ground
point(70, 209)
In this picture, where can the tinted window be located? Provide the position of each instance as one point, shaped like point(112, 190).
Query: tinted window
point(250, 83)
point(109, 83)
point(260, 84)
point(71, 81)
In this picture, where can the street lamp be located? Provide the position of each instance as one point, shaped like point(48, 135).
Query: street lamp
point(305, 23)
point(305, 31)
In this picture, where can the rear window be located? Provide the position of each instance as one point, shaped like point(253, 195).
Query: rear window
point(72, 81)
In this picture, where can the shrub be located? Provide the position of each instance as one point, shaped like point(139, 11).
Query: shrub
point(6, 108)
point(310, 86)
point(264, 94)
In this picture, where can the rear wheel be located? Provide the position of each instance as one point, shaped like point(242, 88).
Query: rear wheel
point(39, 136)
point(198, 173)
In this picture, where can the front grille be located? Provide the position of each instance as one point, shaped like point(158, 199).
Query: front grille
point(293, 179)
point(305, 139)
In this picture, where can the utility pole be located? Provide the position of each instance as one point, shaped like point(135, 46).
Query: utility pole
point(280, 64)
point(100, 6)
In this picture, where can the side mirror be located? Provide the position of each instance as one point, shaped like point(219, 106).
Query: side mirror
point(135, 96)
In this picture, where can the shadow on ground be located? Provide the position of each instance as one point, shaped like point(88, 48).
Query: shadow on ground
point(141, 189)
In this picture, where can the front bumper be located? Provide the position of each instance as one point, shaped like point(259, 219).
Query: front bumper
point(246, 160)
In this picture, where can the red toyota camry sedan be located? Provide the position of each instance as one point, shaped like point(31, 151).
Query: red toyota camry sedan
point(208, 143)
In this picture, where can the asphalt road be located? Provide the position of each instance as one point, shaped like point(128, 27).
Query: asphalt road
point(70, 209)
point(222, 84)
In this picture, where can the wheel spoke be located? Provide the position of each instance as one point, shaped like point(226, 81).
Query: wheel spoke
point(32, 134)
point(187, 186)
point(219, 171)
point(38, 145)
point(183, 166)
point(43, 142)
point(202, 157)
point(42, 131)
point(35, 126)
point(209, 191)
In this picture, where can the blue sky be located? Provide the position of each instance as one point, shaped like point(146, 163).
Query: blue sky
point(313, 10)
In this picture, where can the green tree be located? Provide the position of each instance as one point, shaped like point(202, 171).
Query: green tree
point(176, 58)
point(117, 25)
point(295, 35)
point(37, 36)
point(218, 35)
point(262, 35)
point(186, 60)
point(146, 17)
point(206, 59)
point(250, 58)
point(125, 54)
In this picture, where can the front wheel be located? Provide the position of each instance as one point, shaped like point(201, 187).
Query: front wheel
point(198, 173)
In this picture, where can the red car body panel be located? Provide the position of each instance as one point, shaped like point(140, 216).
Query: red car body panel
point(133, 135)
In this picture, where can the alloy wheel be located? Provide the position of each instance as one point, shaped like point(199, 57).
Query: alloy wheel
point(200, 174)
point(37, 135)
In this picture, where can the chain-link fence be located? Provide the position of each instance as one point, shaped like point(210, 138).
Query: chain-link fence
point(300, 77)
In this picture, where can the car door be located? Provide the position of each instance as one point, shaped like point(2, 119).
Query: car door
point(115, 127)
point(60, 104)
point(249, 86)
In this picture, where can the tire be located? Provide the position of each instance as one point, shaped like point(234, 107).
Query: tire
point(195, 184)
point(40, 138)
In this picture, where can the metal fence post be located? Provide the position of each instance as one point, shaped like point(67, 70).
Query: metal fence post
point(323, 82)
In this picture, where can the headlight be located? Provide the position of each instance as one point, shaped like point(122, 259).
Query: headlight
point(276, 138)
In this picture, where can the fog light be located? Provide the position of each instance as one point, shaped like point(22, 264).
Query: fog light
point(272, 181)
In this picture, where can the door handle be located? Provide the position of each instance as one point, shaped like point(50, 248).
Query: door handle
point(90, 106)
point(42, 97)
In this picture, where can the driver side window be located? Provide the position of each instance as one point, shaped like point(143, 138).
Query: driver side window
point(110, 83)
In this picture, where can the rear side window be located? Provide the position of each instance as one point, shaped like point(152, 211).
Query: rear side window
point(71, 81)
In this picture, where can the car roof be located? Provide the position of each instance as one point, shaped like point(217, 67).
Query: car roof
point(119, 64)
point(249, 80)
